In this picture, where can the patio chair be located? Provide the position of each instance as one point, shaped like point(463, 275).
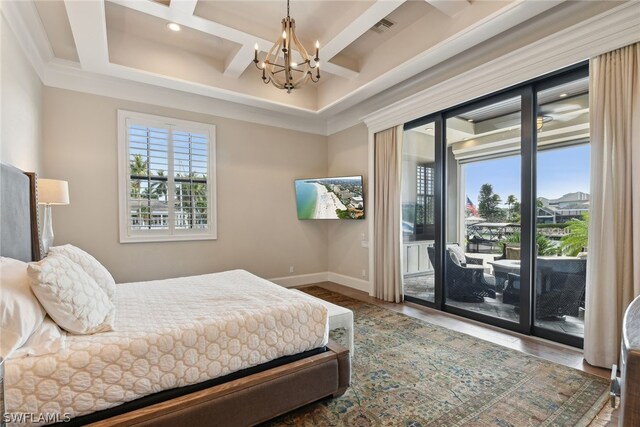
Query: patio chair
point(560, 286)
point(465, 283)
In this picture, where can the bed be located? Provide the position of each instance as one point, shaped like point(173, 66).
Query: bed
point(229, 347)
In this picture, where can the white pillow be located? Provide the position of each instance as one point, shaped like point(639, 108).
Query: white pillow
point(90, 265)
point(20, 312)
point(47, 339)
point(458, 254)
point(70, 296)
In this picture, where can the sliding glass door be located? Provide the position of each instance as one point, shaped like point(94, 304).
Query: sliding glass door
point(494, 208)
point(483, 183)
point(562, 208)
point(418, 212)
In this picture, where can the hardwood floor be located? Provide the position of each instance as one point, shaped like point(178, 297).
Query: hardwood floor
point(548, 350)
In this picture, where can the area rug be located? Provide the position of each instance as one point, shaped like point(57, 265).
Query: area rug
point(408, 372)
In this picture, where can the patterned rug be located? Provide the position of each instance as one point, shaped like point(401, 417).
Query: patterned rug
point(408, 372)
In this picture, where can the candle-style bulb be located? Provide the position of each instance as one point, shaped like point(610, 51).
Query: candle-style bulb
point(284, 34)
point(256, 46)
point(317, 44)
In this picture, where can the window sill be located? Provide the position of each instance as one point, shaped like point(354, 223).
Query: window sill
point(173, 238)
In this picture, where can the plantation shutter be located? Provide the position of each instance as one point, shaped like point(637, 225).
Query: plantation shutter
point(148, 176)
point(191, 159)
point(168, 188)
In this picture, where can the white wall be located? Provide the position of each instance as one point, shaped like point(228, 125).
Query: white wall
point(348, 155)
point(21, 137)
point(257, 225)
point(258, 229)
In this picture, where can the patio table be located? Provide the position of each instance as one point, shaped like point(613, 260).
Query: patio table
point(501, 270)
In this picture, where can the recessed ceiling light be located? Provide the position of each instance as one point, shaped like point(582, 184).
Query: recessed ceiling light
point(173, 26)
point(429, 129)
point(564, 95)
point(470, 120)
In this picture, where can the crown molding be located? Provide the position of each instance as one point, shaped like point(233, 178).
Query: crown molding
point(24, 21)
point(68, 75)
point(602, 33)
point(507, 17)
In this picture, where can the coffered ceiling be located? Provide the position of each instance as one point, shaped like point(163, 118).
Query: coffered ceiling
point(211, 56)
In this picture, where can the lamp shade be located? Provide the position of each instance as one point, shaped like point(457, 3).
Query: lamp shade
point(53, 192)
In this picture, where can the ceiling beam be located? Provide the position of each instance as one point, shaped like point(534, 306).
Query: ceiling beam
point(360, 25)
point(178, 16)
point(186, 7)
point(237, 62)
point(247, 40)
point(449, 7)
point(88, 25)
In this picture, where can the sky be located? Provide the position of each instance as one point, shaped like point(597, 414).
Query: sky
point(560, 171)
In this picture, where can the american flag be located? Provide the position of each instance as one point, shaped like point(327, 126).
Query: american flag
point(471, 208)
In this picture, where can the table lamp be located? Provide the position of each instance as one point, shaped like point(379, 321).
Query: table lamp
point(51, 192)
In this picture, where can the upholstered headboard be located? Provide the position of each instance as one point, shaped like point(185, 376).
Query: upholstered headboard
point(19, 232)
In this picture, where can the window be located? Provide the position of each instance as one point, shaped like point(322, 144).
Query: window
point(425, 194)
point(166, 179)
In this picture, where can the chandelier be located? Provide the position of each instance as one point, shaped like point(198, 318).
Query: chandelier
point(296, 68)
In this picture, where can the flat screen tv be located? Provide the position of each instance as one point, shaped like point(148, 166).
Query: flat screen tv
point(330, 198)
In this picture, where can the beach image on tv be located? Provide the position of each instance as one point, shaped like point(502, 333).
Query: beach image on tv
point(330, 198)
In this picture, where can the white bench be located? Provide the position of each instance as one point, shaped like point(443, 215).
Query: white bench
point(339, 317)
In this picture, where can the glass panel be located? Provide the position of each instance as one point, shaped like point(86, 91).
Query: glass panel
point(190, 159)
point(482, 258)
point(562, 207)
point(148, 166)
point(418, 222)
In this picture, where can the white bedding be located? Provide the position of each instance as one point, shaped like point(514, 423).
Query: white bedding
point(167, 334)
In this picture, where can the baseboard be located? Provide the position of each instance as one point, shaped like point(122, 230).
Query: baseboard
point(300, 279)
point(352, 282)
point(326, 276)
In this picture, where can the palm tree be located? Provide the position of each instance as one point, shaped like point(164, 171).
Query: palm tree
point(159, 189)
point(198, 201)
point(137, 167)
point(578, 237)
point(511, 200)
point(192, 198)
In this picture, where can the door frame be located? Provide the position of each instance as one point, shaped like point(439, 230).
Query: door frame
point(528, 150)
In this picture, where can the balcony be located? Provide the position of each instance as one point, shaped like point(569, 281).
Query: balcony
point(560, 284)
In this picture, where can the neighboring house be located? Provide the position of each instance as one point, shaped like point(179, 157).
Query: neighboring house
point(563, 209)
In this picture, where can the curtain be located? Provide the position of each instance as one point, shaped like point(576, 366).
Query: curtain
point(613, 271)
point(387, 218)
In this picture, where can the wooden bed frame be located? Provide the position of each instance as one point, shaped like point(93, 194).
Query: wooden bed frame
point(245, 401)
